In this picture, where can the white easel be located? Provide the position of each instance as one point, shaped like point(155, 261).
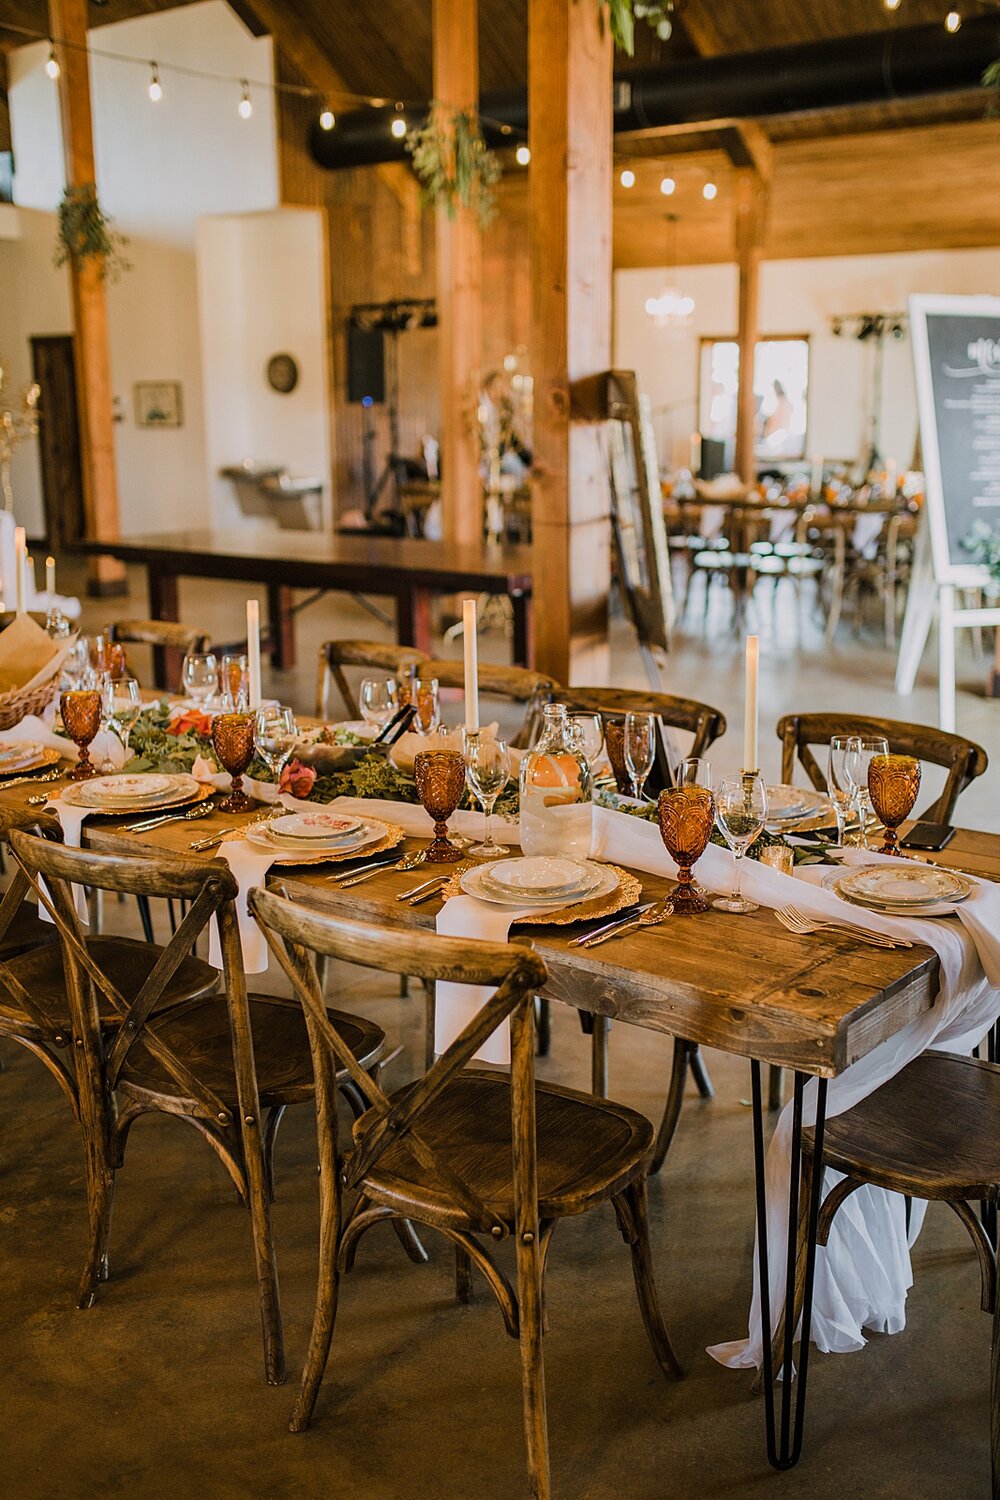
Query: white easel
point(936, 576)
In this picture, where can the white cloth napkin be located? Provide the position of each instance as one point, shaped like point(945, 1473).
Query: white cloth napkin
point(250, 865)
point(71, 820)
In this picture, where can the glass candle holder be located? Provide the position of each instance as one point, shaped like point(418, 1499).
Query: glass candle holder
point(686, 816)
point(893, 784)
point(81, 715)
point(440, 778)
point(233, 739)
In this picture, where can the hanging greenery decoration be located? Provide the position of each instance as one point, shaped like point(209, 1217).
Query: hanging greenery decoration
point(453, 162)
point(623, 14)
point(86, 233)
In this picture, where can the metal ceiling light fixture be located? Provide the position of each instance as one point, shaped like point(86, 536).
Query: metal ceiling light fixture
point(671, 309)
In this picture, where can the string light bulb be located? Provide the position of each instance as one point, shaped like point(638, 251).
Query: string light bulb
point(522, 156)
point(155, 90)
point(952, 21)
point(627, 178)
point(245, 107)
point(891, 4)
point(327, 119)
point(398, 126)
point(52, 66)
point(667, 186)
point(709, 191)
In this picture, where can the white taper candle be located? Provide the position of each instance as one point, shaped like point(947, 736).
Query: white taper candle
point(50, 576)
point(750, 762)
point(253, 651)
point(471, 664)
point(20, 550)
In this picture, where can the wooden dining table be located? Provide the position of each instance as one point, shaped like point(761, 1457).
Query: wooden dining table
point(813, 1004)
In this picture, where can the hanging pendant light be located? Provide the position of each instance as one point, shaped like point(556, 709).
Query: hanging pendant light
point(671, 310)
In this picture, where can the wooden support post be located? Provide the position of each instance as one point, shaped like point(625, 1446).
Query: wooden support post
point(459, 289)
point(569, 100)
point(91, 343)
point(751, 209)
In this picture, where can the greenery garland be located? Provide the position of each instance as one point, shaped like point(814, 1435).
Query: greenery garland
point(623, 14)
point(86, 233)
point(453, 162)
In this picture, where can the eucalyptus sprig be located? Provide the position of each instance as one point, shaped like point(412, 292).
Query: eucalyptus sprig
point(86, 233)
point(623, 14)
point(453, 162)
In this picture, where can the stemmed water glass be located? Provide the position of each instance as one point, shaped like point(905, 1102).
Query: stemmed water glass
point(589, 732)
point(234, 682)
point(425, 698)
point(841, 768)
point(487, 771)
point(740, 814)
point(274, 737)
point(200, 676)
point(695, 771)
point(377, 700)
point(868, 747)
point(640, 748)
point(121, 702)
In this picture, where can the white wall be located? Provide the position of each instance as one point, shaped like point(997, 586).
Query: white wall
point(262, 291)
point(160, 167)
point(799, 296)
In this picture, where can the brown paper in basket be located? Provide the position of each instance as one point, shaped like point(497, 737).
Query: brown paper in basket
point(27, 655)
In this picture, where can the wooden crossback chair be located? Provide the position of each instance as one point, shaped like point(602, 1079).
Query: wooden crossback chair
point(170, 634)
point(516, 684)
point(963, 759)
point(34, 1006)
point(929, 1132)
point(215, 1062)
point(468, 1152)
point(705, 724)
point(334, 656)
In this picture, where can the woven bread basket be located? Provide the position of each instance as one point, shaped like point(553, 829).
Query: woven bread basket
point(20, 702)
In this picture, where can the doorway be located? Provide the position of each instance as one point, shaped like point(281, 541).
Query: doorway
point(54, 369)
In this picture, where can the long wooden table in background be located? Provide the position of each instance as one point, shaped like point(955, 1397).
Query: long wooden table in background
point(813, 1004)
point(410, 570)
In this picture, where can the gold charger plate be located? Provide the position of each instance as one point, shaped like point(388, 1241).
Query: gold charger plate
point(184, 799)
point(626, 893)
point(49, 757)
point(393, 835)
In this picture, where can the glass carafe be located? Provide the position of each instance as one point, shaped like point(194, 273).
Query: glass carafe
point(555, 790)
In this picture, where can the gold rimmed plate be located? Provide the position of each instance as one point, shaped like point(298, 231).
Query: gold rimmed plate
point(625, 891)
point(385, 836)
point(39, 761)
point(187, 792)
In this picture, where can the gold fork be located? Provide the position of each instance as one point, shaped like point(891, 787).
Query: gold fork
point(795, 921)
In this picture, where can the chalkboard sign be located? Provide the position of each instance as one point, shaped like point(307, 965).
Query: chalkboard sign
point(956, 349)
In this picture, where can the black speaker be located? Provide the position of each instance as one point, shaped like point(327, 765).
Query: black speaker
point(365, 365)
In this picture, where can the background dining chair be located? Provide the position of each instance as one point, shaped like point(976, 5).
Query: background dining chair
point(513, 684)
point(932, 1131)
point(705, 724)
point(465, 1151)
point(378, 656)
point(214, 1062)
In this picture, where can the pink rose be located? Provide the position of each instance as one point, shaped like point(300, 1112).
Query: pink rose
point(297, 779)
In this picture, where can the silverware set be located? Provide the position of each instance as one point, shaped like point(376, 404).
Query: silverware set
point(649, 914)
point(30, 779)
point(796, 921)
point(360, 873)
point(187, 815)
point(433, 887)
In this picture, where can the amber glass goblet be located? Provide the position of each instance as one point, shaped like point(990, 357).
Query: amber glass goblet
point(614, 744)
point(893, 784)
point(117, 660)
point(233, 739)
point(440, 778)
point(686, 815)
point(81, 716)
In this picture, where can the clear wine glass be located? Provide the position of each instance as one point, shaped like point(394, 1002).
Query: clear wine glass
point(695, 771)
point(121, 704)
point(640, 748)
point(840, 782)
point(274, 737)
point(740, 814)
point(487, 771)
point(868, 746)
point(200, 676)
point(234, 682)
point(589, 732)
point(425, 697)
point(377, 700)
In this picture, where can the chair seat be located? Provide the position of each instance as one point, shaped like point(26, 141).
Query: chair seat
point(930, 1132)
point(198, 1033)
point(127, 962)
point(588, 1150)
point(26, 930)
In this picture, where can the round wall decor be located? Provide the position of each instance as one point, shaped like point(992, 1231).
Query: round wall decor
point(282, 373)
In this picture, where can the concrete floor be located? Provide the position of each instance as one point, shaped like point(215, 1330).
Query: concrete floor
point(157, 1391)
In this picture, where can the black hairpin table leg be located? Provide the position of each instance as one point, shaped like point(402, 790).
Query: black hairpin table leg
point(784, 1448)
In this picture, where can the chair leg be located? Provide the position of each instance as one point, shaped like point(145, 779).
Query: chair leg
point(599, 1057)
point(463, 1275)
point(775, 1087)
point(274, 1118)
point(672, 1108)
point(100, 1200)
point(327, 1291)
point(995, 1403)
point(699, 1072)
point(430, 1021)
point(145, 917)
point(633, 1220)
point(543, 1026)
point(529, 1298)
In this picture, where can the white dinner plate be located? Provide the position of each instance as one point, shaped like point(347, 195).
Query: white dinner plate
point(931, 908)
point(310, 826)
point(537, 875)
point(904, 885)
point(473, 884)
point(180, 789)
point(368, 833)
point(787, 802)
point(17, 753)
point(138, 788)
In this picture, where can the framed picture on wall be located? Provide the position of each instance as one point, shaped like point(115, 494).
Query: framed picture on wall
point(158, 403)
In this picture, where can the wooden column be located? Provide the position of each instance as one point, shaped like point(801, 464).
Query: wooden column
point(459, 289)
point(751, 211)
point(569, 97)
point(91, 343)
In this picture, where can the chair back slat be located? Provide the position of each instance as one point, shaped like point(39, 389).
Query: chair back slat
point(518, 972)
point(380, 656)
point(962, 759)
point(515, 684)
point(703, 722)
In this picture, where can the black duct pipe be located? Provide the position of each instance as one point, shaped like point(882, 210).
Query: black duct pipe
point(845, 72)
